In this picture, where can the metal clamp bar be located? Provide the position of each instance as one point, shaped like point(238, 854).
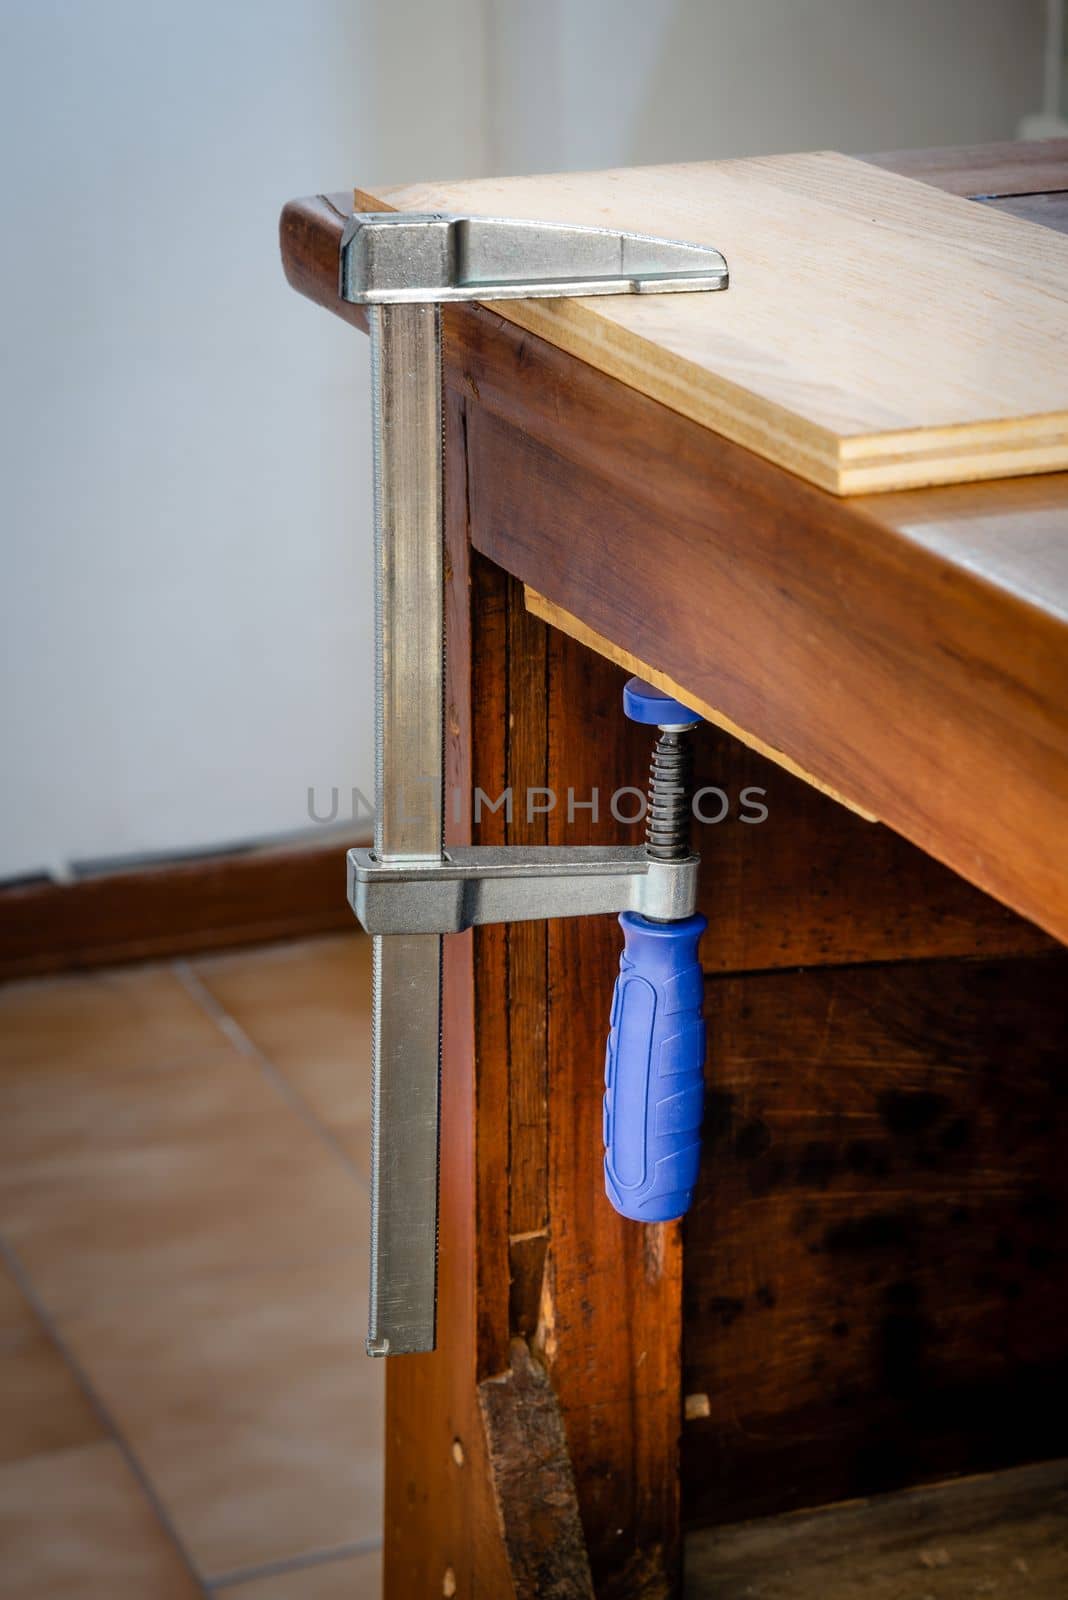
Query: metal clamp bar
point(408, 893)
point(409, 763)
point(480, 884)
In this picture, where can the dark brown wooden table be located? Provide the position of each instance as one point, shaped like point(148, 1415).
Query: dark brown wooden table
point(869, 1292)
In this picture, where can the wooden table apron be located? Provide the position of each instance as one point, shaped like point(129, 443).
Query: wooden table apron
point(889, 646)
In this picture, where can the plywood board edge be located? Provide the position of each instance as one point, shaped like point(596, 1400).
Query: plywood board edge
point(884, 478)
point(703, 396)
point(892, 459)
point(572, 326)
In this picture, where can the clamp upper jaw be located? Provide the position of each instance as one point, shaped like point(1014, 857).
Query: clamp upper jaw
point(403, 258)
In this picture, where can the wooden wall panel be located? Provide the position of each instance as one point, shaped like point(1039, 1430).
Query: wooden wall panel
point(876, 1266)
point(814, 883)
point(853, 902)
point(614, 1288)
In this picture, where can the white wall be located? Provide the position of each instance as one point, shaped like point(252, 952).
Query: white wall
point(632, 81)
point(1051, 122)
point(184, 450)
point(184, 445)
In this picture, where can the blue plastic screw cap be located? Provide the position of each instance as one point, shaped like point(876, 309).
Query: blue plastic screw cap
point(654, 1070)
point(644, 703)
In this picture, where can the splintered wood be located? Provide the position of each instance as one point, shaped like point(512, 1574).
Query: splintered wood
point(877, 333)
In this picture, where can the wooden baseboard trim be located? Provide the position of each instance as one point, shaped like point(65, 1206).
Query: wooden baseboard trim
point(160, 911)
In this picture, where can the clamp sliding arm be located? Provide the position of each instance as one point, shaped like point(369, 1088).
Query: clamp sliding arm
point(475, 884)
point(403, 266)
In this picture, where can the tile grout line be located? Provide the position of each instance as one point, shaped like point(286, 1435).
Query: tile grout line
point(276, 1569)
point(102, 1413)
point(229, 1026)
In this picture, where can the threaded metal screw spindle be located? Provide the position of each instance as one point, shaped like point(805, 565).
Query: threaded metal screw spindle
point(667, 824)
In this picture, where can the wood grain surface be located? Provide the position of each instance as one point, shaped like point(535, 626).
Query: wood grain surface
point(309, 238)
point(875, 1263)
point(556, 617)
point(814, 885)
point(556, 1263)
point(1001, 1535)
point(614, 1287)
point(538, 1509)
point(877, 334)
point(811, 884)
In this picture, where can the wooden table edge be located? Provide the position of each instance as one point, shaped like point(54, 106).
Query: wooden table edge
point(310, 232)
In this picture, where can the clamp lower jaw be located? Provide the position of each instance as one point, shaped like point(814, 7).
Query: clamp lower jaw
point(477, 884)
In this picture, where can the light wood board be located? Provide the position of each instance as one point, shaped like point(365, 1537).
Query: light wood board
point(877, 333)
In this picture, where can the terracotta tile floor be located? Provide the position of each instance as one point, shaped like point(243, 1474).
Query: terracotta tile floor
point(185, 1406)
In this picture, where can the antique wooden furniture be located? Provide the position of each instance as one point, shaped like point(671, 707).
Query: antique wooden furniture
point(870, 1292)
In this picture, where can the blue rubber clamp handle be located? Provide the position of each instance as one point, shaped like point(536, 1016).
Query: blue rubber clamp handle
point(654, 1078)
